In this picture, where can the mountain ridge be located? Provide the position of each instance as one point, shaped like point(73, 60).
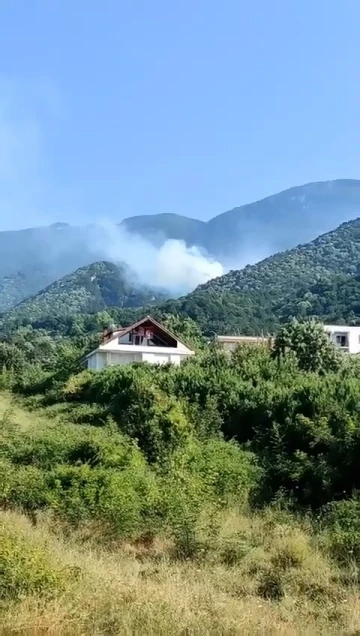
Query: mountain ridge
point(35, 257)
point(318, 279)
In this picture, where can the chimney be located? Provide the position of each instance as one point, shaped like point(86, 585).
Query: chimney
point(108, 333)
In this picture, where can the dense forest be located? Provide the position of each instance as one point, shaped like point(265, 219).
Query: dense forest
point(318, 279)
point(184, 498)
point(88, 290)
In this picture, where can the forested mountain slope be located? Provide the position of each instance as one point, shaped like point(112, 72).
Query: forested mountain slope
point(318, 278)
point(336, 252)
point(32, 259)
point(88, 290)
point(15, 287)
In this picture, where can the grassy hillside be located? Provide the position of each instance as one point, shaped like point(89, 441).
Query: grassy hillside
point(218, 497)
point(141, 588)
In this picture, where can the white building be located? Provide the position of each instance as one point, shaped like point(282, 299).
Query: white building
point(144, 341)
point(347, 339)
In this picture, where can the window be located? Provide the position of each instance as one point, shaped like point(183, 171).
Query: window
point(341, 340)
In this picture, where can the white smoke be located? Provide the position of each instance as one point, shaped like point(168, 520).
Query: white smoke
point(173, 266)
point(183, 268)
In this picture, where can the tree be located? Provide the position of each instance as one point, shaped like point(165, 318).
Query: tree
point(310, 345)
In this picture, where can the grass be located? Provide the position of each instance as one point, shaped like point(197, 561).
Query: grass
point(12, 410)
point(264, 573)
point(274, 580)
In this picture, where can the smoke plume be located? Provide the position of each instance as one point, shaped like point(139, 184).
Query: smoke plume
point(173, 266)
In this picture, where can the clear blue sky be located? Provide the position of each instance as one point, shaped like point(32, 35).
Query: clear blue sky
point(111, 109)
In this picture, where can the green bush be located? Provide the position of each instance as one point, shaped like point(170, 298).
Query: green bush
point(77, 386)
point(26, 567)
point(342, 521)
point(123, 501)
point(227, 472)
point(24, 488)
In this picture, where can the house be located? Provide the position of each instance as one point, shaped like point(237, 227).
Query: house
point(230, 343)
point(346, 339)
point(144, 341)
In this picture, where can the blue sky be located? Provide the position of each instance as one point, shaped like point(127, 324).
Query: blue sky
point(117, 108)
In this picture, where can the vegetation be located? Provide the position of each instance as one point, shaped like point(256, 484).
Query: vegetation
point(319, 279)
point(221, 496)
point(218, 496)
point(88, 290)
point(157, 227)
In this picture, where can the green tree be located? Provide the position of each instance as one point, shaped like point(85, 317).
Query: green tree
point(309, 344)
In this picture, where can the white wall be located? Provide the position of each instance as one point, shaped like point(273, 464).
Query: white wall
point(122, 357)
point(162, 358)
point(96, 361)
point(352, 333)
point(99, 360)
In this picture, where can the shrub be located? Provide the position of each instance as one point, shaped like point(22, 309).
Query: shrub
point(227, 472)
point(94, 414)
point(76, 386)
point(342, 521)
point(271, 585)
point(124, 501)
point(26, 566)
point(24, 488)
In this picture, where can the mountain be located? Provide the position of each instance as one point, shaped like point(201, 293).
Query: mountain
point(256, 230)
point(32, 259)
point(89, 289)
point(159, 227)
point(283, 220)
point(14, 288)
point(320, 278)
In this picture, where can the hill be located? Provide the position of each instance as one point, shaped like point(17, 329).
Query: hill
point(14, 288)
point(319, 279)
point(32, 259)
point(89, 289)
point(282, 221)
point(159, 227)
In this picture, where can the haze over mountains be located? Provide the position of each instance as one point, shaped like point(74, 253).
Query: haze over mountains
point(251, 232)
point(172, 251)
